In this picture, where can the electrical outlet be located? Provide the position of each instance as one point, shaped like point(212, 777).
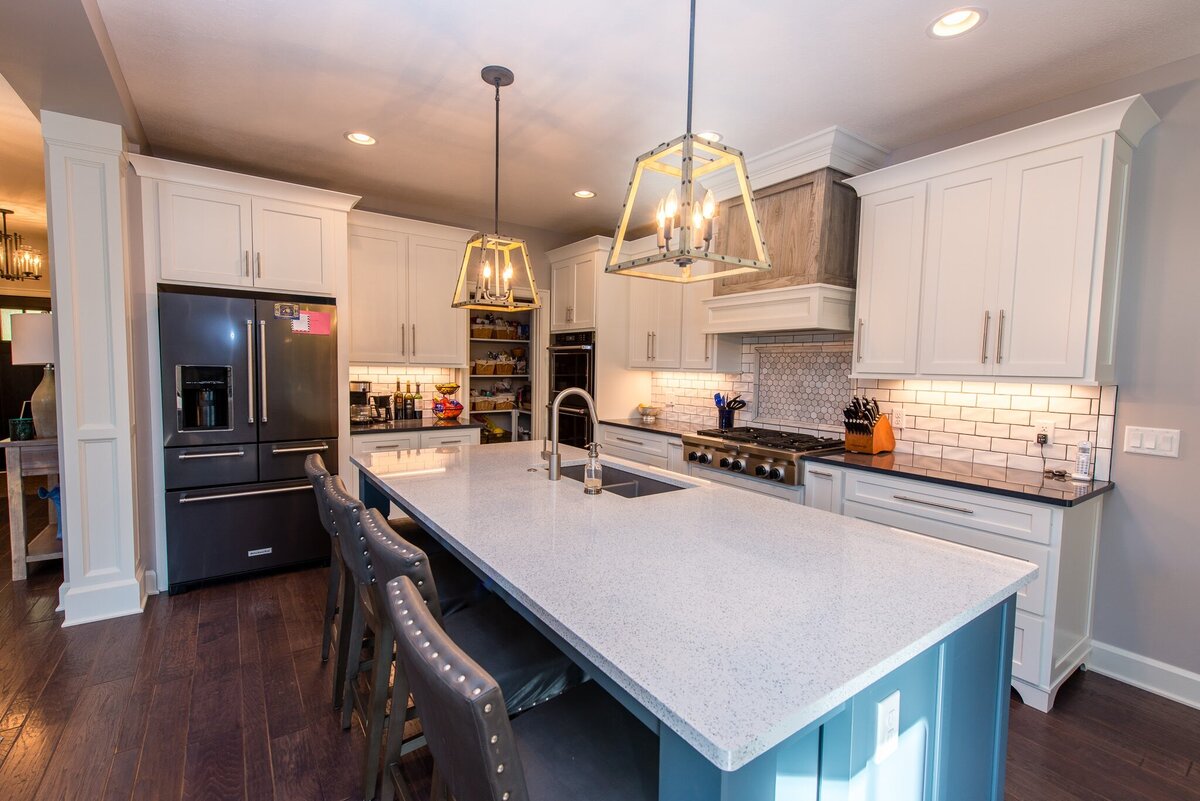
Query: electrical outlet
point(887, 726)
point(899, 419)
point(1046, 427)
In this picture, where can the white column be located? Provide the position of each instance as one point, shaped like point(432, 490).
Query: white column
point(85, 169)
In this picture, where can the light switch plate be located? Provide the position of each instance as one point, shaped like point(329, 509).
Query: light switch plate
point(1152, 441)
point(887, 726)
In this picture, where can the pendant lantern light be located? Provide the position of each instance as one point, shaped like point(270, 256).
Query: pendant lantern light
point(686, 214)
point(496, 274)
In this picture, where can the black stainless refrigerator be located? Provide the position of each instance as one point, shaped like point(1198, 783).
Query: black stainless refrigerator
point(249, 390)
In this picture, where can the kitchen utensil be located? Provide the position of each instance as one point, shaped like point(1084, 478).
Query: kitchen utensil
point(717, 399)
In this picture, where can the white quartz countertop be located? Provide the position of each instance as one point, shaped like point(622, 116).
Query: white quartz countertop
point(735, 618)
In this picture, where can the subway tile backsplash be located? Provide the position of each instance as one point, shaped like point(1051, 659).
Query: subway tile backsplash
point(800, 382)
point(384, 376)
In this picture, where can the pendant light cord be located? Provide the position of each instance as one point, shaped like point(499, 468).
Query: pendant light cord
point(691, 63)
point(496, 207)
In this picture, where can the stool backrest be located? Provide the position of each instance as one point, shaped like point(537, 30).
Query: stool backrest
point(392, 556)
point(314, 468)
point(353, 543)
point(462, 709)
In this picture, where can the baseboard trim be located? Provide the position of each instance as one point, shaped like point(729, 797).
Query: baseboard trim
point(91, 603)
point(1148, 674)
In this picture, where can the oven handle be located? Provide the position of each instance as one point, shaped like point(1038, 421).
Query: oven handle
point(569, 348)
point(225, 495)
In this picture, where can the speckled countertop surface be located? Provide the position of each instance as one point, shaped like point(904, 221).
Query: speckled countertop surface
point(429, 423)
point(657, 427)
point(1022, 484)
point(736, 619)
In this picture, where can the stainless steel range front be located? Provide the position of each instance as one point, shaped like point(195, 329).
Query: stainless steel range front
point(757, 459)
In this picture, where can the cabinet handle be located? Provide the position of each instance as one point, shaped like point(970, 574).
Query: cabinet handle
point(654, 346)
point(258, 263)
point(987, 322)
point(391, 446)
point(820, 473)
point(707, 345)
point(860, 338)
point(403, 339)
point(246, 256)
point(448, 442)
point(647, 346)
point(630, 441)
point(223, 496)
point(183, 457)
point(301, 449)
point(934, 505)
point(249, 358)
point(414, 338)
point(262, 366)
point(1000, 338)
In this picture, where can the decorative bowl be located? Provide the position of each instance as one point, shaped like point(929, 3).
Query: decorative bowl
point(447, 409)
point(649, 413)
point(446, 389)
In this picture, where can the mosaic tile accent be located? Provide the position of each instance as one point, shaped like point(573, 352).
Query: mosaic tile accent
point(803, 383)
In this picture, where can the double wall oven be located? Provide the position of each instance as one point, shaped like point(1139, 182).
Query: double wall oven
point(573, 364)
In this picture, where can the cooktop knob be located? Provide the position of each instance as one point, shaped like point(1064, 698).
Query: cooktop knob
point(761, 470)
point(737, 466)
point(694, 456)
point(704, 458)
point(775, 474)
point(725, 461)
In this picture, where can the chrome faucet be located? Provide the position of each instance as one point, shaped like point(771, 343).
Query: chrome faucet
point(553, 456)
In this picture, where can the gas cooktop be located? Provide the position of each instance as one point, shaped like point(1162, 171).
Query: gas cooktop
point(769, 438)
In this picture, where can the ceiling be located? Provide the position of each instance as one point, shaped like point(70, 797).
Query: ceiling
point(269, 86)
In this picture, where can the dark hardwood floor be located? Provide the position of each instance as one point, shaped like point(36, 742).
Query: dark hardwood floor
point(220, 694)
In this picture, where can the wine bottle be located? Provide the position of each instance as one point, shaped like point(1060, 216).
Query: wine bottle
point(409, 401)
point(418, 403)
point(398, 403)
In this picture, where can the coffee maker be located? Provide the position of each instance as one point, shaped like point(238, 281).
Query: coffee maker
point(360, 401)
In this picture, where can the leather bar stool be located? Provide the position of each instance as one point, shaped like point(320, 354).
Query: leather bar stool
point(527, 665)
point(314, 468)
point(582, 745)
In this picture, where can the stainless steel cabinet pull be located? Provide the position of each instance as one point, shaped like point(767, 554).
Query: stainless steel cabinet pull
point(262, 366)
point(403, 339)
point(301, 449)
point(394, 446)
point(246, 256)
point(860, 338)
point(654, 346)
point(223, 496)
point(414, 327)
point(448, 442)
point(1000, 338)
point(647, 346)
point(820, 473)
point(935, 505)
point(258, 264)
point(987, 322)
point(217, 455)
point(249, 359)
point(630, 441)
point(707, 346)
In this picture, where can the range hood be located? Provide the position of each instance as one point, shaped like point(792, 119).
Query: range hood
point(809, 219)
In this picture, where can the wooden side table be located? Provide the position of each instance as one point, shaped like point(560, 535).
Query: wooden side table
point(35, 457)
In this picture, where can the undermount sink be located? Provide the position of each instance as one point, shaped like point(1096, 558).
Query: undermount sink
point(622, 482)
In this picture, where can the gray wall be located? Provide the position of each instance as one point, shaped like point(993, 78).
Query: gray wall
point(1148, 590)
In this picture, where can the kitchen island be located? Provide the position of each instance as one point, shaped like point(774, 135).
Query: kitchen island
point(763, 642)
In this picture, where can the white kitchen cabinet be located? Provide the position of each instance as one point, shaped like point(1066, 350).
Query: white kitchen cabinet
point(1022, 258)
point(698, 351)
point(366, 444)
point(645, 447)
point(450, 436)
point(891, 247)
point(962, 265)
point(220, 228)
point(573, 292)
point(655, 320)
point(1054, 612)
point(401, 284)
point(823, 487)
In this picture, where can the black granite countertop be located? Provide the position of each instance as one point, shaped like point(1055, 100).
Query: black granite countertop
point(1021, 484)
point(659, 426)
point(429, 423)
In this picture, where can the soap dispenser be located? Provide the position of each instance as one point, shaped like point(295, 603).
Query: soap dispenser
point(593, 478)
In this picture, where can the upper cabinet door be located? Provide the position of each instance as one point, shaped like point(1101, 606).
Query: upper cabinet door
point(643, 317)
point(583, 307)
point(668, 327)
point(437, 333)
point(204, 235)
point(562, 294)
point(378, 287)
point(293, 247)
point(695, 346)
point(889, 280)
point(962, 261)
point(1048, 260)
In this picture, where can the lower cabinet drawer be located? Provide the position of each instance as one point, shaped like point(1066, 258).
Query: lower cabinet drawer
point(210, 466)
point(1027, 647)
point(629, 440)
point(279, 461)
point(462, 436)
point(365, 445)
point(653, 460)
point(1030, 598)
point(213, 533)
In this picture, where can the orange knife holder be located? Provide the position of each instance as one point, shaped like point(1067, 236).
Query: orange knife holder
point(881, 440)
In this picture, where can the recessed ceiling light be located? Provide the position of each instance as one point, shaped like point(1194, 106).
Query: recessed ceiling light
point(711, 136)
point(360, 138)
point(584, 193)
point(957, 22)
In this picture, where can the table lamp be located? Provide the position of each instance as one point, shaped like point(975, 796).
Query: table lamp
point(33, 343)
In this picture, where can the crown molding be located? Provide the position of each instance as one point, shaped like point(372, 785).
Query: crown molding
point(833, 147)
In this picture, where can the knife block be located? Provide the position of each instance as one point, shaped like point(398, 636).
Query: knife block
point(880, 440)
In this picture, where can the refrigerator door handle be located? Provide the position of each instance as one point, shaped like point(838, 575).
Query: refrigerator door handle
point(262, 366)
point(226, 495)
point(250, 369)
point(301, 449)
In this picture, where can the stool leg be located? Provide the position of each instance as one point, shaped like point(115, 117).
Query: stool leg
point(331, 598)
point(377, 708)
point(345, 621)
point(394, 745)
point(358, 628)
